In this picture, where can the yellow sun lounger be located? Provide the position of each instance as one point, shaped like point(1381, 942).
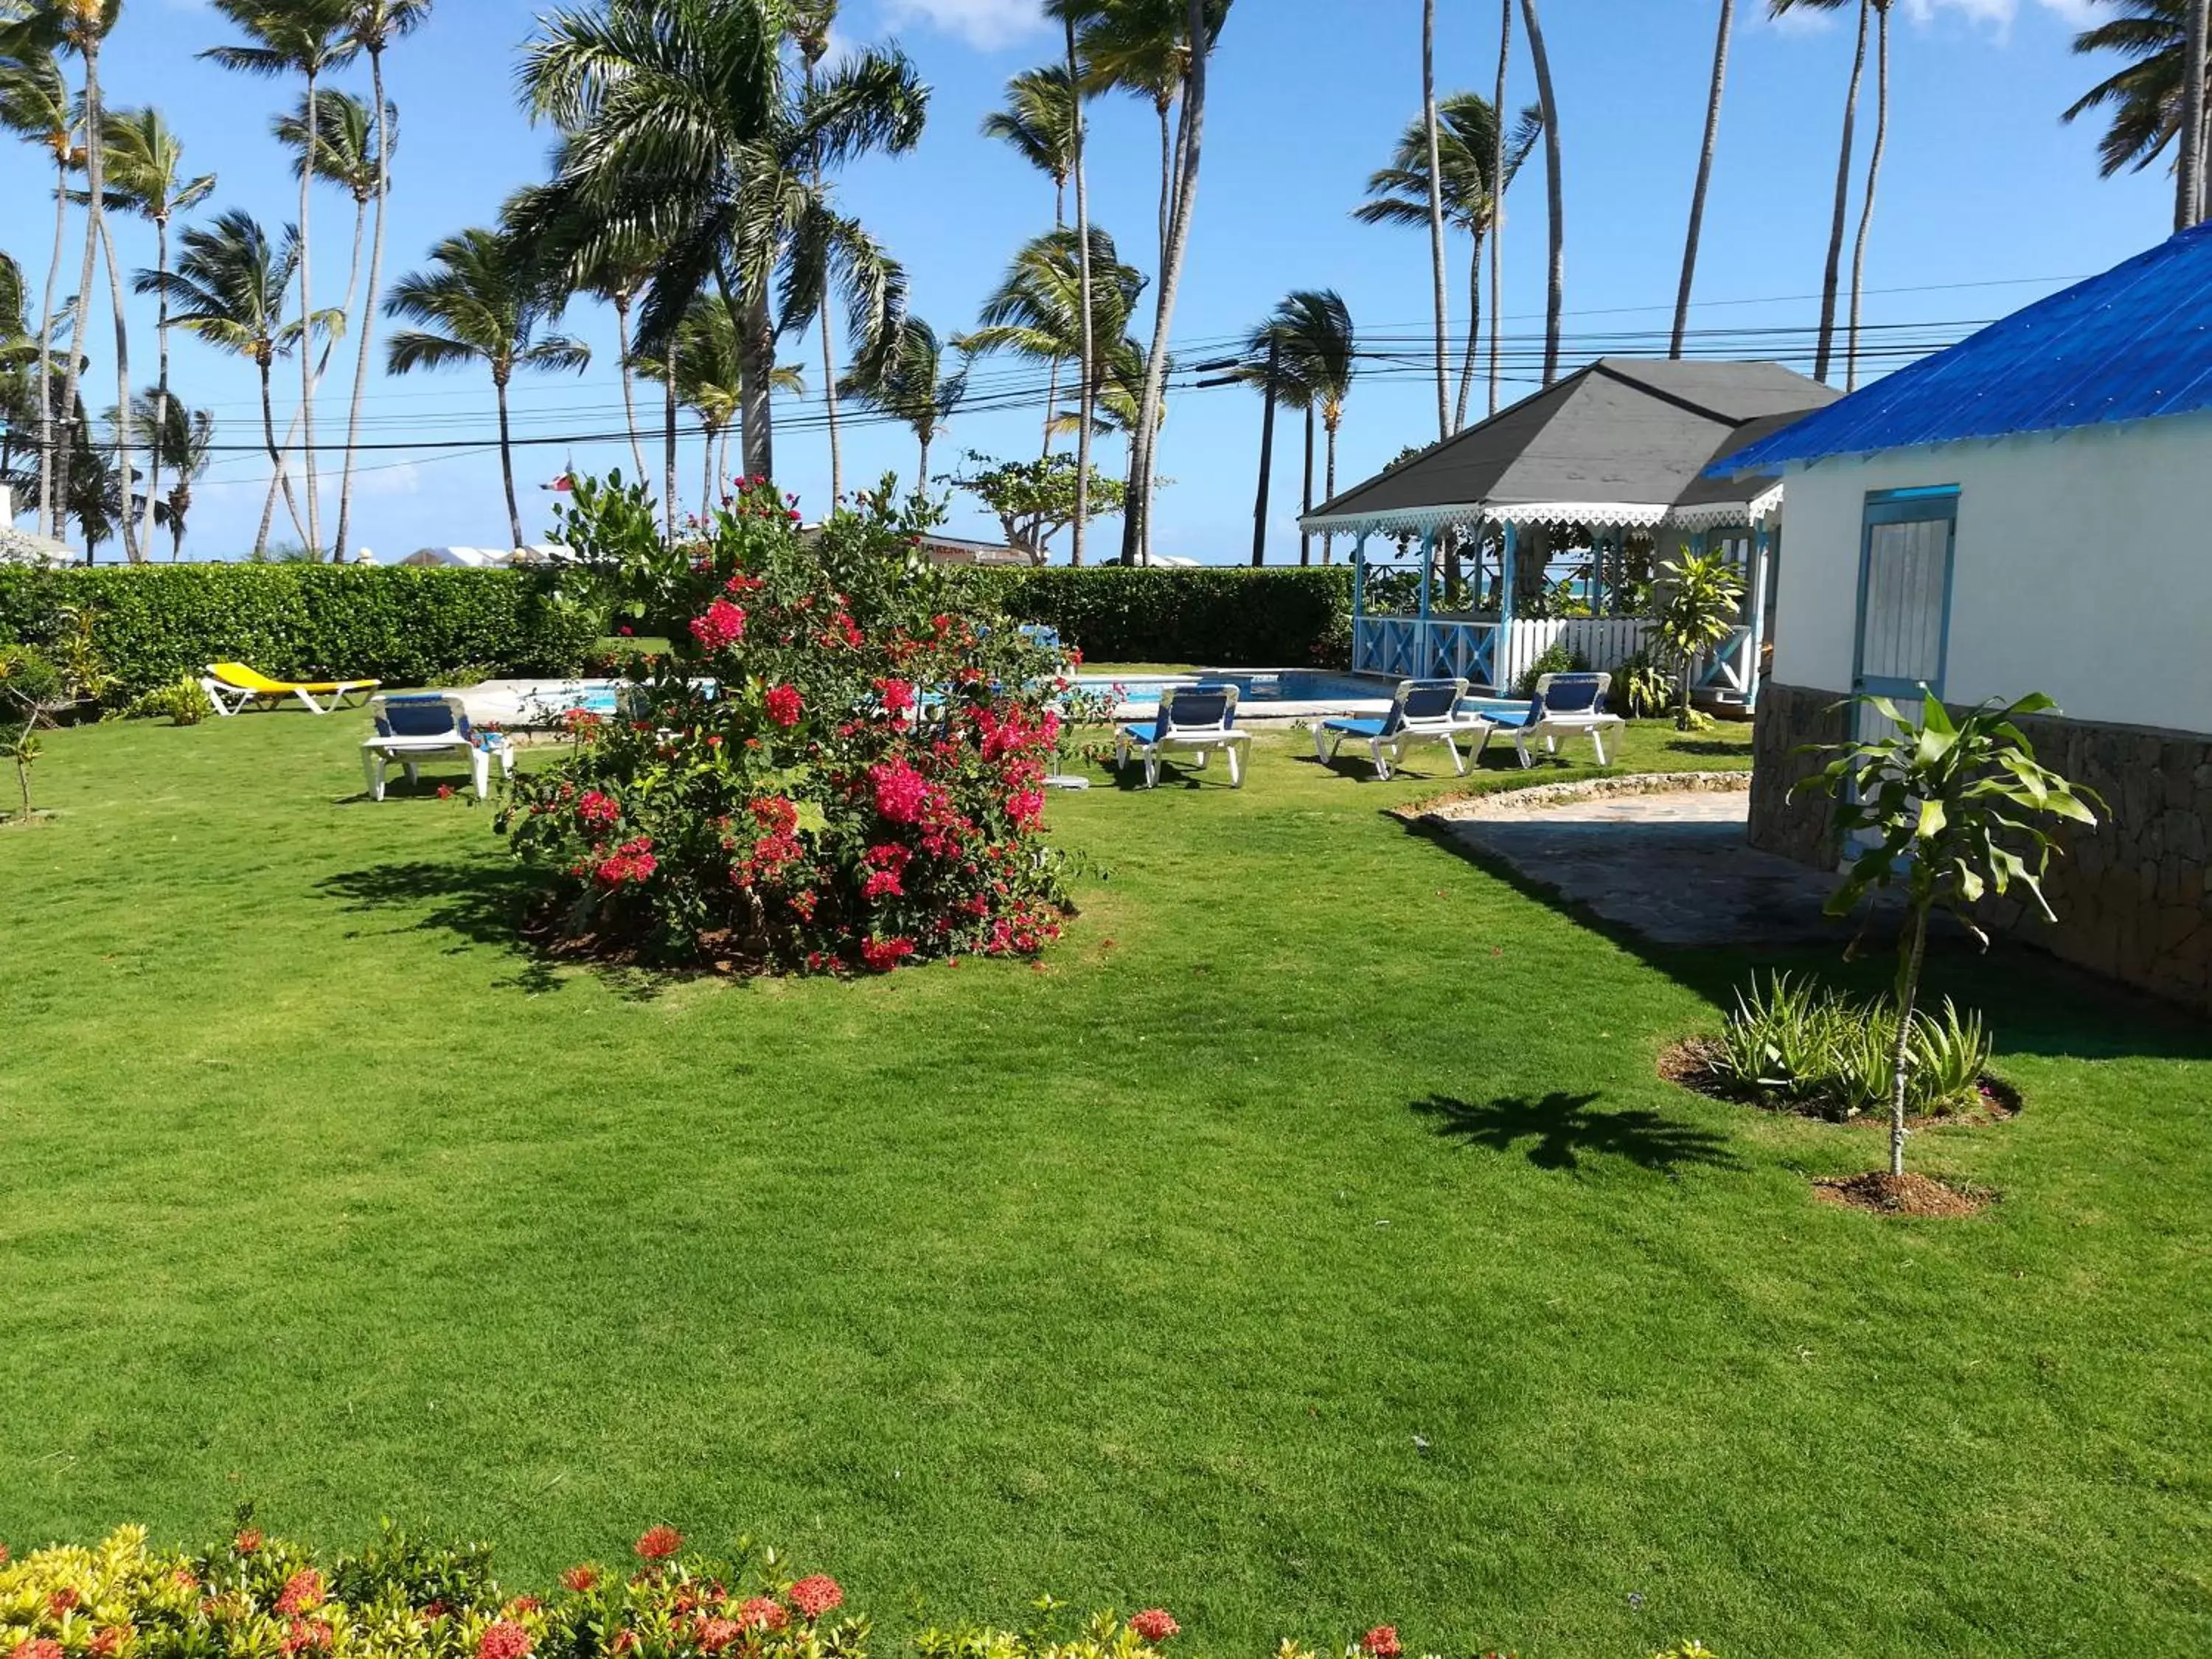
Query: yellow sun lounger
point(232, 686)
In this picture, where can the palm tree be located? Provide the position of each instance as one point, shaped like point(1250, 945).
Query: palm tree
point(807, 24)
point(1433, 157)
point(79, 26)
point(145, 173)
point(1039, 123)
point(1832, 271)
point(35, 106)
point(371, 26)
point(1037, 313)
point(1704, 178)
point(96, 493)
point(1071, 13)
point(1881, 9)
point(480, 305)
point(183, 441)
point(1498, 221)
point(2149, 99)
point(682, 124)
point(1468, 137)
point(911, 384)
point(306, 38)
point(1555, 209)
point(228, 290)
point(1319, 351)
point(705, 374)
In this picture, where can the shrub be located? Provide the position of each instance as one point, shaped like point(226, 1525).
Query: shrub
point(1228, 617)
point(826, 769)
point(184, 700)
point(1643, 687)
point(29, 686)
point(1557, 658)
point(1796, 1044)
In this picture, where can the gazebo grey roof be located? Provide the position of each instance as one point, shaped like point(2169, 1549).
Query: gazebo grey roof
point(1626, 441)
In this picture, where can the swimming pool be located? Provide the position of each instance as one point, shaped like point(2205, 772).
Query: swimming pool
point(1282, 694)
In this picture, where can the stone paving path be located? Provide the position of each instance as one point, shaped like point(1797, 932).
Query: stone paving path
point(1673, 867)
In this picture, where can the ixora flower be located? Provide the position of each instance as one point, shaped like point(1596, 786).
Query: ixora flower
point(816, 1595)
point(785, 705)
point(36, 1647)
point(714, 1635)
point(247, 1541)
point(302, 1591)
point(504, 1639)
point(764, 1613)
point(660, 1544)
point(1381, 1643)
point(582, 1579)
point(1154, 1624)
point(720, 627)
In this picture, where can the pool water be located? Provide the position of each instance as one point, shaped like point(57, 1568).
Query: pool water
point(1285, 692)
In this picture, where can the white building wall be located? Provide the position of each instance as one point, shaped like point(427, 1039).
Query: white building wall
point(2083, 569)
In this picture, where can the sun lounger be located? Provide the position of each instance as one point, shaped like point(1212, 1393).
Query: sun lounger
point(1421, 711)
point(1565, 705)
point(411, 729)
point(232, 686)
point(1199, 718)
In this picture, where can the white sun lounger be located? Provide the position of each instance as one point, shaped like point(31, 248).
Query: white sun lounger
point(1421, 711)
point(1565, 705)
point(411, 729)
point(1199, 718)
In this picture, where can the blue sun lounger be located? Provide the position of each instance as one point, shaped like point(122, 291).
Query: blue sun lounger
point(1565, 705)
point(1200, 718)
point(1422, 711)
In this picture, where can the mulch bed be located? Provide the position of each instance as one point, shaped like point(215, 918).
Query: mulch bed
point(1690, 1064)
point(1917, 1196)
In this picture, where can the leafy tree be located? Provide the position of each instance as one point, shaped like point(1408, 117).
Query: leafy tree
point(1035, 500)
point(28, 685)
point(1697, 602)
point(1951, 812)
point(2145, 101)
point(1547, 102)
point(36, 106)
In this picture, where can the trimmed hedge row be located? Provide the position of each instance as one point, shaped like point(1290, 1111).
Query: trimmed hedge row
point(403, 625)
point(1297, 618)
point(409, 626)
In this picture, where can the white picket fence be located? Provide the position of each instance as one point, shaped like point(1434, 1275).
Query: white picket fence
point(1604, 643)
point(1470, 650)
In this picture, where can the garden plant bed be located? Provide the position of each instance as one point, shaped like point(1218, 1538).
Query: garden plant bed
point(1691, 1064)
point(1919, 1197)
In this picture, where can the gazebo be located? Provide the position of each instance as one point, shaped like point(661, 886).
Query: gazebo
point(1619, 451)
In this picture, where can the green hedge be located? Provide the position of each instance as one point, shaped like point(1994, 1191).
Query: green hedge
point(1225, 618)
point(407, 626)
point(402, 625)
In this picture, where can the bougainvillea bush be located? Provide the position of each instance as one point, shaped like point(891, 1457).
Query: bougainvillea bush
point(826, 769)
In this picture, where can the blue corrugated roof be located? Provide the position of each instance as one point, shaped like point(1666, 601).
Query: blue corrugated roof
point(2132, 344)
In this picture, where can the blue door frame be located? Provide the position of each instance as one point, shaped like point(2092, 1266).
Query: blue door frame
point(1936, 504)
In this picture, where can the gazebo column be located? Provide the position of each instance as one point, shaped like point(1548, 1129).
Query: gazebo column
point(1358, 596)
point(1501, 650)
point(1761, 549)
point(1428, 584)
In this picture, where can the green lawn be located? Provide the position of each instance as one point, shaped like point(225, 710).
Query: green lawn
point(1307, 1243)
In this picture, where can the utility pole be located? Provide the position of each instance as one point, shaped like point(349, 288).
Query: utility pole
point(1266, 451)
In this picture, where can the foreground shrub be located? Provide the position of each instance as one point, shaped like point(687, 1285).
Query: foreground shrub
point(254, 1596)
point(826, 769)
point(1794, 1044)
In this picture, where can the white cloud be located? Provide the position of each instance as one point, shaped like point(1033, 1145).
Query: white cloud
point(987, 24)
point(2000, 14)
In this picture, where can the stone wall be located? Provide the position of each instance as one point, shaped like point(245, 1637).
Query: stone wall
point(2131, 895)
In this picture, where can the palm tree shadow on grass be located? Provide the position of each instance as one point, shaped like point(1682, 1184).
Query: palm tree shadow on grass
point(1563, 1129)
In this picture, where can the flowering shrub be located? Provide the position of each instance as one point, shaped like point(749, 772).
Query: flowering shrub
point(829, 767)
point(254, 1596)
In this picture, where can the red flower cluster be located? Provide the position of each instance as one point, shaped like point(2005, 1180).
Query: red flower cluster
point(247, 1541)
point(36, 1647)
point(883, 955)
point(302, 1591)
point(504, 1639)
point(631, 862)
point(106, 1644)
point(583, 1580)
point(594, 808)
point(816, 1595)
point(1381, 1643)
point(62, 1601)
point(1025, 807)
point(902, 793)
point(886, 865)
point(898, 697)
point(1154, 1624)
point(721, 626)
point(660, 1542)
point(785, 705)
point(763, 1613)
point(306, 1635)
point(713, 1635)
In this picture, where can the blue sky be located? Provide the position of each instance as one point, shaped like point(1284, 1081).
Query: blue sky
point(1987, 201)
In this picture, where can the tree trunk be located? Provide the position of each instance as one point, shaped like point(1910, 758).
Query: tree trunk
point(1083, 276)
point(291, 504)
point(1331, 419)
point(622, 303)
point(668, 457)
point(323, 365)
point(1915, 954)
point(161, 383)
point(49, 514)
point(706, 471)
point(756, 358)
point(2188, 168)
point(1305, 540)
point(1555, 295)
point(96, 183)
point(1874, 179)
point(124, 444)
point(1136, 524)
point(829, 402)
point(1497, 197)
point(921, 480)
point(1438, 281)
point(368, 310)
point(1824, 351)
point(1164, 106)
point(1704, 178)
point(275, 461)
point(1266, 457)
point(1474, 334)
point(308, 333)
point(507, 461)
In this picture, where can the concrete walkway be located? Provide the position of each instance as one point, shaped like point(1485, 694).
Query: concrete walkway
point(1673, 867)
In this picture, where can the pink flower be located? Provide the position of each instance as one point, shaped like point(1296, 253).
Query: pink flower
point(1026, 807)
point(444, 792)
point(632, 862)
point(1381, 1643)
point(897, 695)
point(883, 955)
point(503, 1640)
point(721, 626)
point(1154, 1624)
point(763, 1613)
point(660, 1544)
point(785, 705)
point(901, 792)
point(306, 1634)
point(816, 1595)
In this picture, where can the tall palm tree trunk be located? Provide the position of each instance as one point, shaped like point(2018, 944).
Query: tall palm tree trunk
point(1824, 351)
point(1088, 388)
point(1438, 281)
point(124, 444)
point(706, 469)
point(49, 514)
point(1166, 106)
point(623, 302)
point(368, 309)
point(1137, 523)
point(1704, 178)
point(1497, 196)
point(923, 475)
point(756, 355)
point(160, 382)
point(829, 401)
point(96, 183)
point(322, 363)
point(1052, 376)
point(1874, 179)
point(1331, 419)
point(281, 472)
point(1474, 334)
point(668, 453)
point(2188, 169)
point(306, 325)
point(1305, 539)
point(1555, 204)
point(507, 461)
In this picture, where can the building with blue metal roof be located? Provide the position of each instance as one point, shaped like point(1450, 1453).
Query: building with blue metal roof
point(2030, 510)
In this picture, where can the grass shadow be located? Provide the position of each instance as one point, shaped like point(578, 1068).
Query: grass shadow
point(480, 904)
point(1562, 1130)
point(1701, 746)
